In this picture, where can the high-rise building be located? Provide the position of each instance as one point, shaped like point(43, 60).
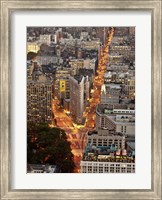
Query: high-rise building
point(119, 120)
point(39, 101)
point(129, 87)
point(39, 96)
point(62, 82)
point(107, 159)
point(77, 98)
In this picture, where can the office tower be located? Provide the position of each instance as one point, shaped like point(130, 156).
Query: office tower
point(39, 97)
point(77, 98)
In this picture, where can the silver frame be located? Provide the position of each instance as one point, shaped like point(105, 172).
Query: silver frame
point(7, 6)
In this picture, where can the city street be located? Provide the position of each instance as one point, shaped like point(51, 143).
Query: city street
point(76, 135)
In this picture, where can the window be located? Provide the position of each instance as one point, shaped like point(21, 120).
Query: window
point(95, 169)
point(84, 169)
point(117, 169)
point(99, 142)
point(128, 170)
point(111, 169)
point(89, 169)
point(89, 141)
point(105, 142)
point(116, 142)
point(110, 142)
point(100, 169)
point(94, 141)
point(106, 169)
point(120, 145)
point(123, 170)
point(125, 129)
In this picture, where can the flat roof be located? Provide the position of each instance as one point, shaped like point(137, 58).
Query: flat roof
point(101, 107)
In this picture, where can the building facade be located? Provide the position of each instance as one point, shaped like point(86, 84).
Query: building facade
point(33, 47)
point(107, 167)
point(62, 82)
point(39, 101)
point(45, 60)
point(77, 98)
point(110, 94)
point(106, 138)
point(118, 120)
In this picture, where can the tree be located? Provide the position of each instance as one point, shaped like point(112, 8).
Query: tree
point(49, 145)
point(31, 55)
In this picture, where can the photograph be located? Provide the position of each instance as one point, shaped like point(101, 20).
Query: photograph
point(80, 99)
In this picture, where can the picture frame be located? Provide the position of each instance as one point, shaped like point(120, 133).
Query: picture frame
point(7, 7)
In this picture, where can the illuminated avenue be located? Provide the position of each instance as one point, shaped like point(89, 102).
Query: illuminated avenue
point(77, 134)
point(81, 85)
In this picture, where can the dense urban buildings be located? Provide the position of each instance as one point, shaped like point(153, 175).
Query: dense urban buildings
point(39, 95)
point(82, 80)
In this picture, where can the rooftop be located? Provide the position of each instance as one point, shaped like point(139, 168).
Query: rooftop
point(43, 168)
point(113, 86)
point(94, 132)
point(86, 72)
point(101, 108)
point(122, 118)
point(131, 145)
point(108, 154)
point(78, 78)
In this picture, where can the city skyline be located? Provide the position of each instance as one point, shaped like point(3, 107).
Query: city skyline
point(81, 81)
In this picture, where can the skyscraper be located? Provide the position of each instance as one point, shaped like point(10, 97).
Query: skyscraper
point(77, 98)
point(39, 98)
